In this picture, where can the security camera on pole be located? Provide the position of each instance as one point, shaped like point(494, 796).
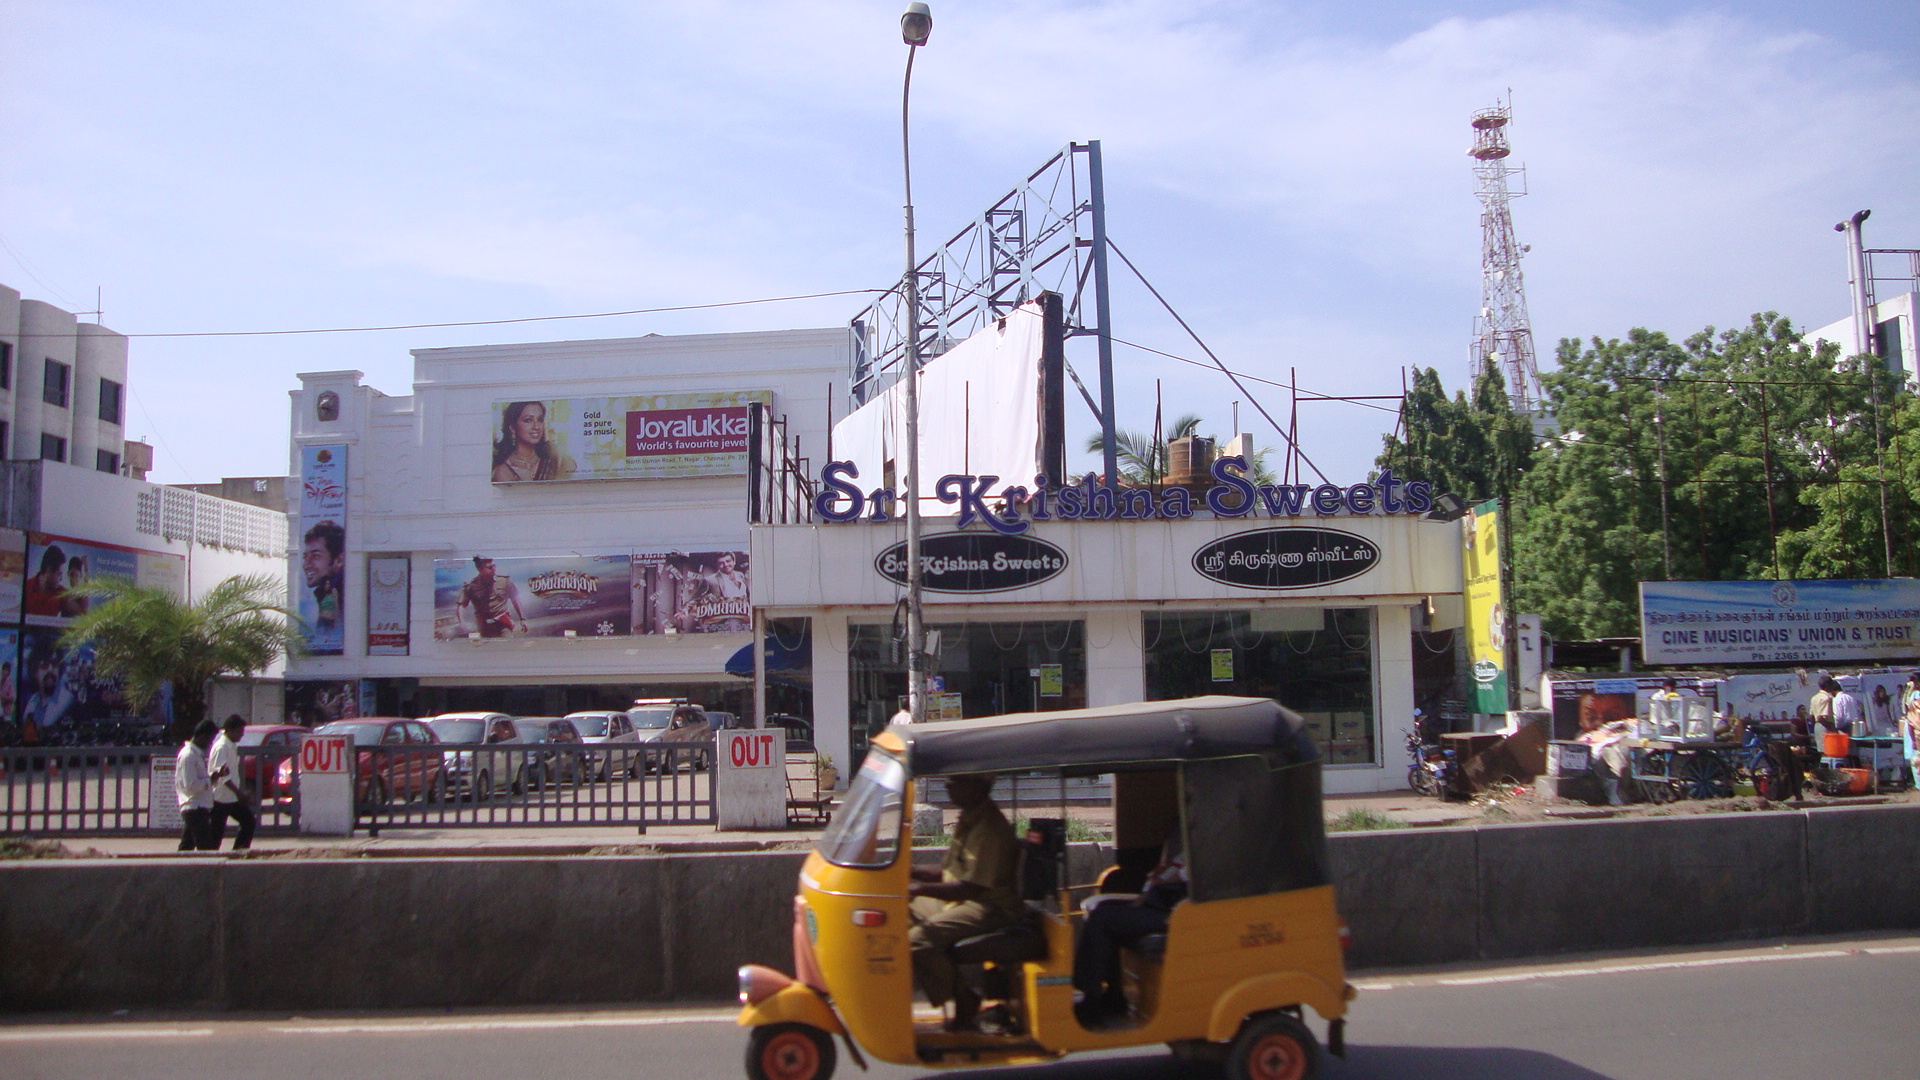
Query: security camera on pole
point(915, 26)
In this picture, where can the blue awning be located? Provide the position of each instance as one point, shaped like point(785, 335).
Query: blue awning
point(781, 660)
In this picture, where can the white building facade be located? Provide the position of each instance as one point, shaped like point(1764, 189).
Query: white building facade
point(1315, 610)
point(62, 386)
point(603, 485)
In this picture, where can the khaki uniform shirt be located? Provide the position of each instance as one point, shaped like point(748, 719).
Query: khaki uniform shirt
point(984, 852)
point(1821, 708)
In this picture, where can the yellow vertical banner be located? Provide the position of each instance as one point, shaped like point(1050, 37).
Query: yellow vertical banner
point(1486, 611)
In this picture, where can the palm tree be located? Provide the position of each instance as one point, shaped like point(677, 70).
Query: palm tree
point(149, 638)
point(1143, 458)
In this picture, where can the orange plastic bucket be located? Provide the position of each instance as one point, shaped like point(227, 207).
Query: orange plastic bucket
point(1834, 744)
point(1859, 781)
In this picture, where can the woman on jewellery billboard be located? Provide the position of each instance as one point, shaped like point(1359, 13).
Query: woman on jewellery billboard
point(525, 449)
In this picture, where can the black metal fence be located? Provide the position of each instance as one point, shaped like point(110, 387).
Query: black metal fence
point(105, 791)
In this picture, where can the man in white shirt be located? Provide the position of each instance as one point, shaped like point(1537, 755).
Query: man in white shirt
point(229, 798)
point(1848, 716)
point(194, 788)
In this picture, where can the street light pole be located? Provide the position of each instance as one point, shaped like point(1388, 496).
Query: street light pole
point(915, 26)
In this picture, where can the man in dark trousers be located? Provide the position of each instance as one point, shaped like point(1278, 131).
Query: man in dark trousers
point(229, 797)
point(976, 891)
point(1116, 920)
point(194, 789)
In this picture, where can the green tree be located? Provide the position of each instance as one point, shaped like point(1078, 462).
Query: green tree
point(148, 638)
point(1712, 459)
point(1476, 448)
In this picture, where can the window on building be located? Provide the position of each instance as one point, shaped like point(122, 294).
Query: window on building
point(985, 669)
point(110, 393)
point(52, 448)
point(6, 448)
point(1316, 661)
point(6, 365)
point(57, 384)
point(106, 462)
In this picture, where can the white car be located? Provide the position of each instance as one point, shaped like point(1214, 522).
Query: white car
point(479, 775)
point(612, 729)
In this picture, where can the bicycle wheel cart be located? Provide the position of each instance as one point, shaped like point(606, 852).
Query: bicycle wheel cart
point(1669, 769)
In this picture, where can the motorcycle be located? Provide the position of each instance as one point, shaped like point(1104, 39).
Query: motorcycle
point(1432, 771)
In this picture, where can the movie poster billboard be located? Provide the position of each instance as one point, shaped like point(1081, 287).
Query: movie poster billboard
point(13, 573)
point(312, 702)
point(702, 592)
point(1486, 612)
point(59, 565)
point(1581, 705)
point(389, 624)
point(63, 702)
point(1787, 697)
point(1779, 622)
point(543, 596)
point(320, 595)
point(633, 437)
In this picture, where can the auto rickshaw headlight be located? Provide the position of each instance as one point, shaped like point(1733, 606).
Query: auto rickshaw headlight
point(757, 983)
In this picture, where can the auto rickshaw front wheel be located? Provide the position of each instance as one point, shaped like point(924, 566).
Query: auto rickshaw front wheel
point(789, 1052)
point(1273, 1046)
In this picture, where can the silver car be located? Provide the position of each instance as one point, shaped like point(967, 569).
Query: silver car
point(615, 731)
point(479, 775)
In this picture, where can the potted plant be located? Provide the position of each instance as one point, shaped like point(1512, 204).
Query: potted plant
point(824, 773)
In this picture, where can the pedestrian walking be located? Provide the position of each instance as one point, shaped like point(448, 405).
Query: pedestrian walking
point(229, 794)
point(194, 788)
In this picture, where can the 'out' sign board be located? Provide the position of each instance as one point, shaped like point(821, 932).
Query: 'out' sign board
point(325, 777)
point(750, 778)
point(753, 749)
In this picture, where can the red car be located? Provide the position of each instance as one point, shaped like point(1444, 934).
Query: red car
point(382, 776)
point(270, 774)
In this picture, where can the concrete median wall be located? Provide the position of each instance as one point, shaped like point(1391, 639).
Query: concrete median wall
point(408, 933)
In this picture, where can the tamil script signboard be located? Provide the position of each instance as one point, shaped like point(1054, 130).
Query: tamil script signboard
point(1779, 622)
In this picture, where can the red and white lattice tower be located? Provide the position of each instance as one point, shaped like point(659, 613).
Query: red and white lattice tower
point(1502, 332)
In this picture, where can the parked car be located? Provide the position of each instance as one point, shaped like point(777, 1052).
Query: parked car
point(799, 732)
point(410, 771)
point(269, 775)
point(547, 767)
point(722, 721)
point(479, 775)
point(690, 727)
point(614, 730)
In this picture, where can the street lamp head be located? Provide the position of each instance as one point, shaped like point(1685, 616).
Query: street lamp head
point(916, 24)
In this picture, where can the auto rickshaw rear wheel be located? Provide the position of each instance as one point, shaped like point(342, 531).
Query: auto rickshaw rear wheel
point(1273, 1046)
point(789, 1052)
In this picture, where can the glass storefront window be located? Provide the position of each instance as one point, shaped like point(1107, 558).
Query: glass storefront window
point(992, 667)
point(1316, 661)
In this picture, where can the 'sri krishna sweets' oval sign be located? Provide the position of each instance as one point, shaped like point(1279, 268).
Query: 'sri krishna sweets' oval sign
point(975, 562)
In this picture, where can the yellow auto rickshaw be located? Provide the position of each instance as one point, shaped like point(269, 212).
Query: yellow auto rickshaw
point(1256, 942)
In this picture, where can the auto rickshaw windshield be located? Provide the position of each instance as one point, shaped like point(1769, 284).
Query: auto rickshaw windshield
point(865, 834)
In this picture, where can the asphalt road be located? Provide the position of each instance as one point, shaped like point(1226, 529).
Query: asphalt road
point(1826, 1009)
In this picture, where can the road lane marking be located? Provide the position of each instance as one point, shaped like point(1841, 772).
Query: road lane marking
point(503, 1024)
point(1613, 969)
point(58, 1032)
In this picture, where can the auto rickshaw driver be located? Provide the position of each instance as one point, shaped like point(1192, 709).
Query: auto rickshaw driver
point(976, 891)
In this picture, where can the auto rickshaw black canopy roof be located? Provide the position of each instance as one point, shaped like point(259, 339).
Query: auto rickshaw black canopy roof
point(1110, 738)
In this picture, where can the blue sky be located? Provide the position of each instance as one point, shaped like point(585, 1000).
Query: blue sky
point(1293, 177)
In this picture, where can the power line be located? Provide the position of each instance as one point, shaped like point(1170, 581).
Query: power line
point(1358, 399)
point(495, 322)
point(1254, 401)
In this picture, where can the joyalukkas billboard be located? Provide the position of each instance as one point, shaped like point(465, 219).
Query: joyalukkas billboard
point(633, 437)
